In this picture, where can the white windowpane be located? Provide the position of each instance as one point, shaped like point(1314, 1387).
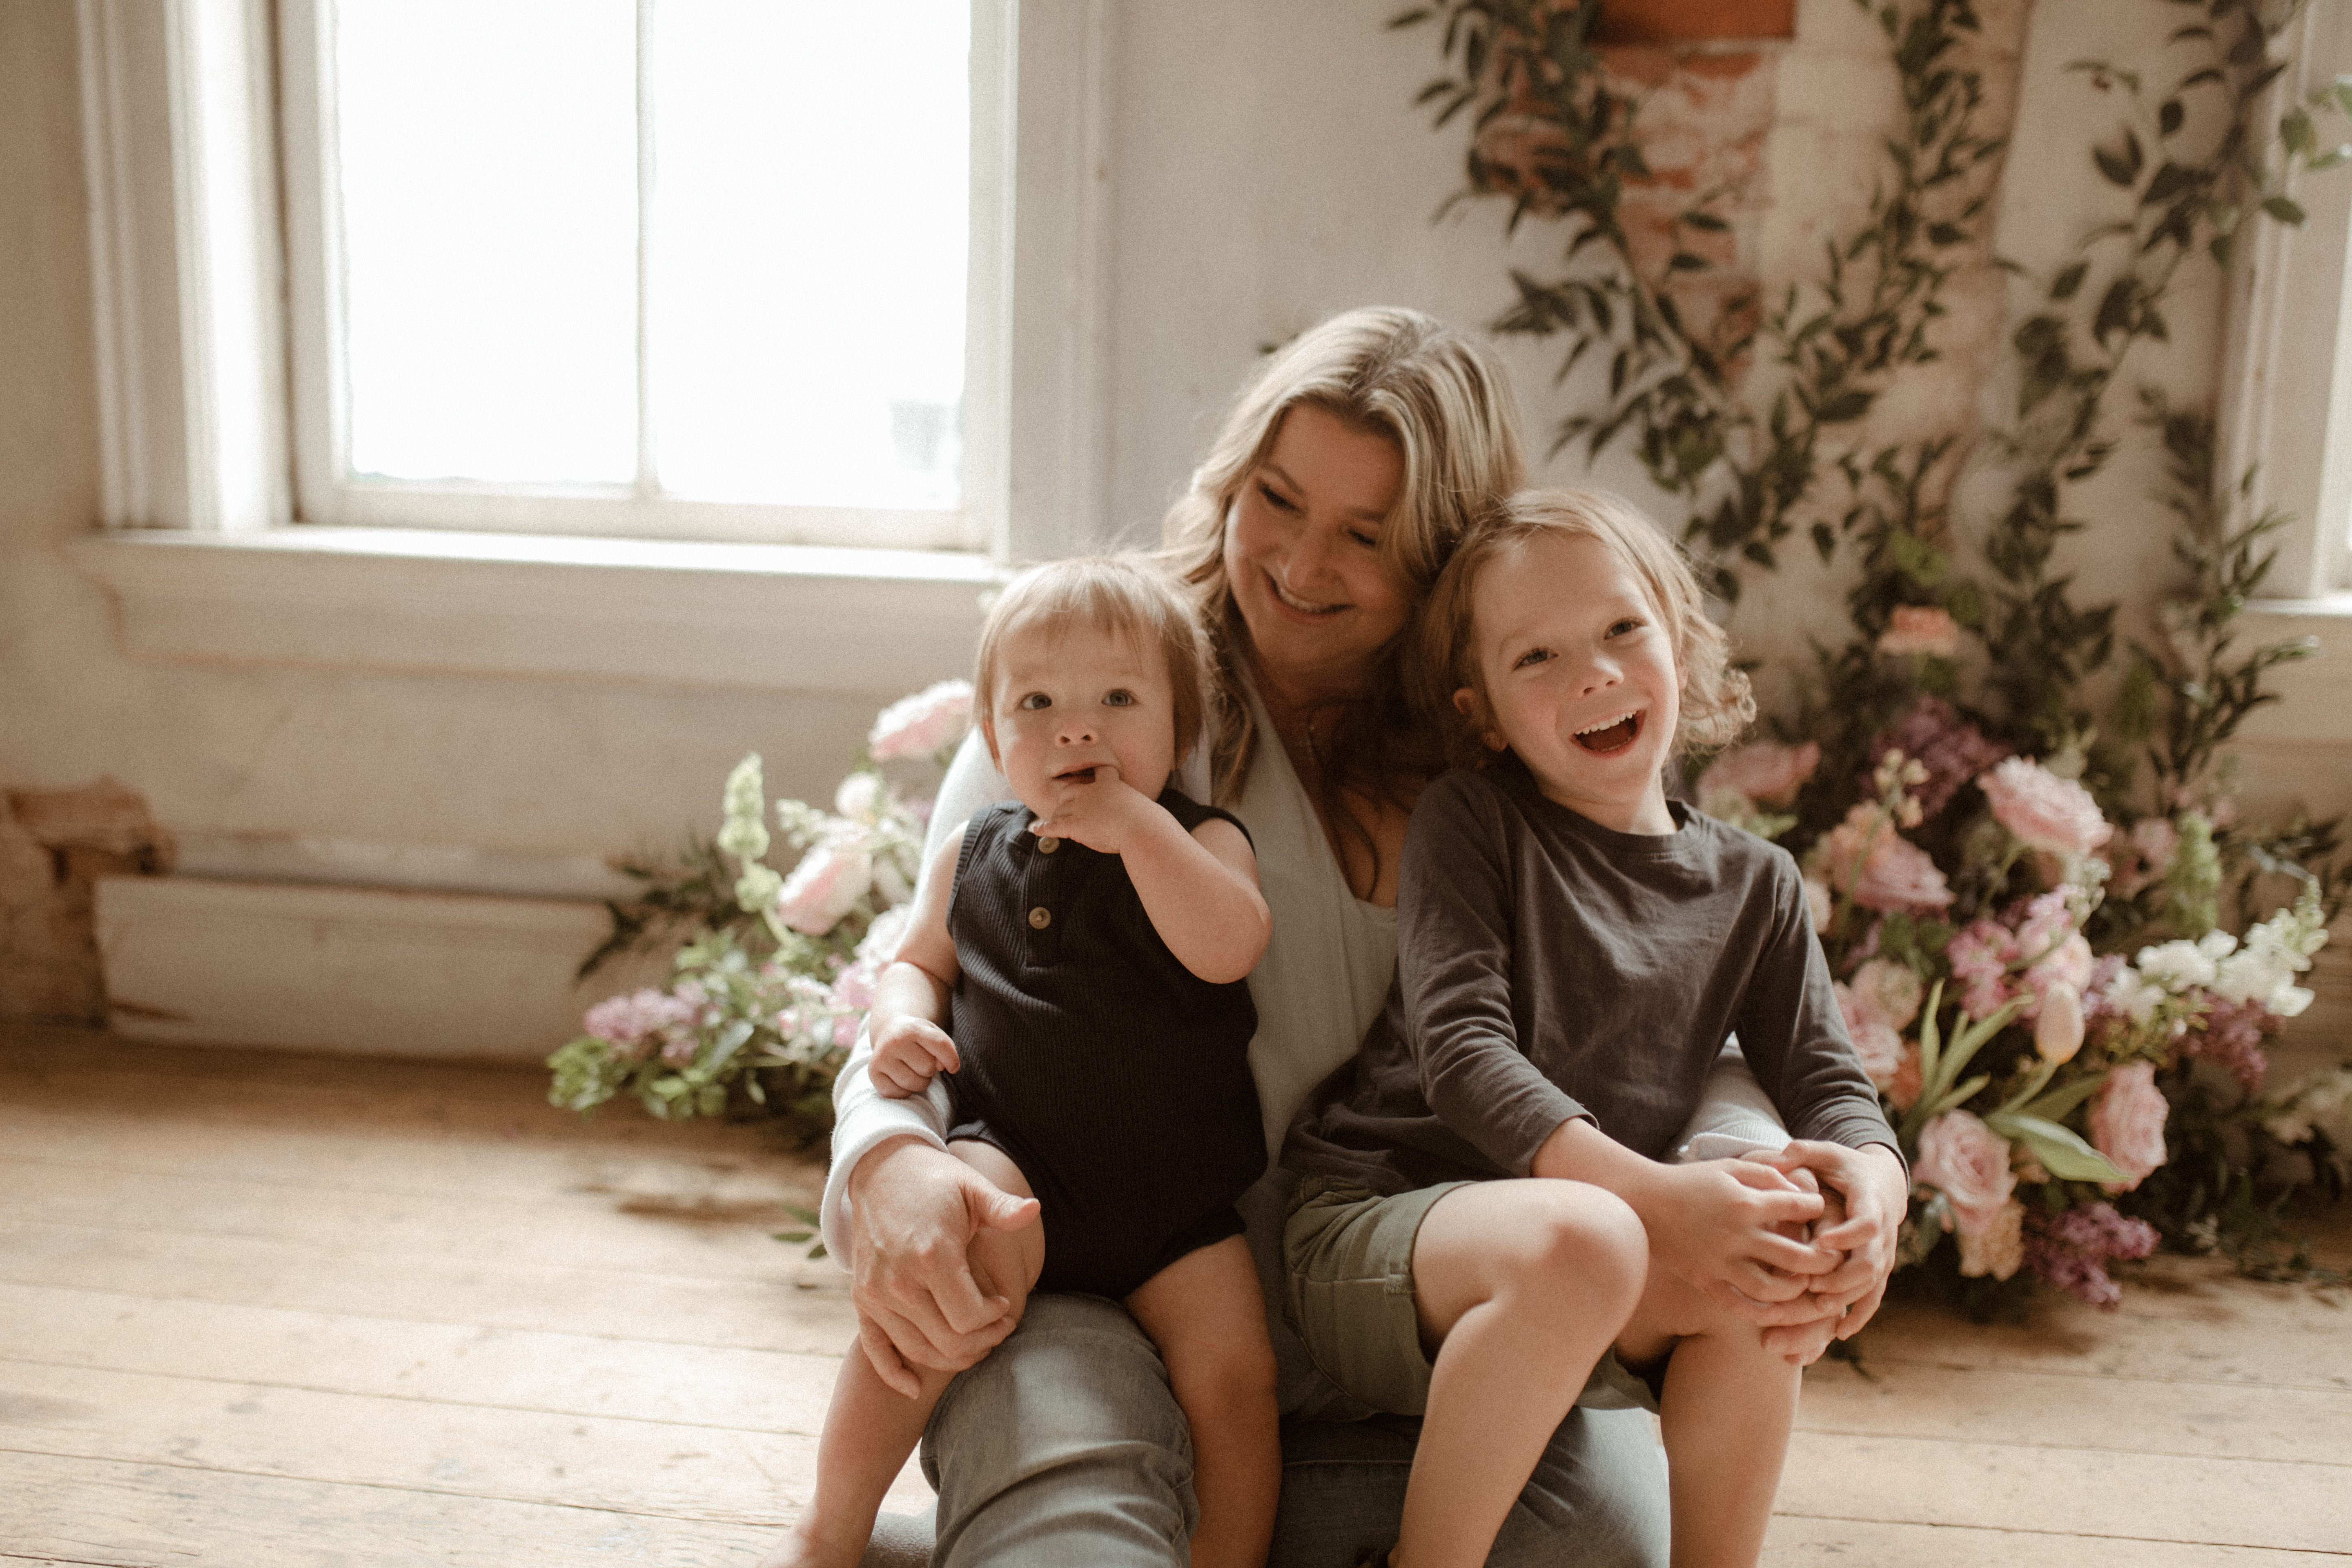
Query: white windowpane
point(488, 197)
point(807, 240)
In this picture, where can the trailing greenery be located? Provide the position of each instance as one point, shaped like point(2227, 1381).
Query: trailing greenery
point(1750, 424)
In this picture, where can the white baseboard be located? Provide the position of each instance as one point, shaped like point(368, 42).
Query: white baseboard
point(360, 970)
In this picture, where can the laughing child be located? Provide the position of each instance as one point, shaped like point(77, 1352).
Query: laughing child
point(1574, 951)
point(1075, 964)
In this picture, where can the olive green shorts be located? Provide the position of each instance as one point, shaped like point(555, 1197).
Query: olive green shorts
point(1347, 1261)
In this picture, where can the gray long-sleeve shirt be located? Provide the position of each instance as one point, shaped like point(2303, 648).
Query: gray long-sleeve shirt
point(1550, 968)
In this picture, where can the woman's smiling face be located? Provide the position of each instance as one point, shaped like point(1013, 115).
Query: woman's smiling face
point(1302, 554)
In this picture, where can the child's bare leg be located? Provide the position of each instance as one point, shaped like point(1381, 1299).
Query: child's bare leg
point(1521, 1286)
point(871, 1427)
point(1728, 1403)
point(1206, 1315)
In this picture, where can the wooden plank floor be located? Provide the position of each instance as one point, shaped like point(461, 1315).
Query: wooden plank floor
point(261, 1311)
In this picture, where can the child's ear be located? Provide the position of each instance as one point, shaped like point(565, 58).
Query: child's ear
point(988, 734)
point(1465, 701)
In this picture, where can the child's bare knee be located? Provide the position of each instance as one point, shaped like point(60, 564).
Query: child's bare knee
point(1590, 1241)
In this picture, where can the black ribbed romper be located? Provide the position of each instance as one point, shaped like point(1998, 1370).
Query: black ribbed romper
point(1117, 1080)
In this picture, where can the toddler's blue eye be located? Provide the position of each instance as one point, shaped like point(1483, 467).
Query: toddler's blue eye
point(1122, 697)
point(1036, 700)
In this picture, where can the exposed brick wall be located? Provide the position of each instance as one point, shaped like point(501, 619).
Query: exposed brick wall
point(53, 844)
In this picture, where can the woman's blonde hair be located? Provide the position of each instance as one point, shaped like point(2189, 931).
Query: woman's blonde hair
point(1128, 596)
point(1717, 704)
point(1448, 408)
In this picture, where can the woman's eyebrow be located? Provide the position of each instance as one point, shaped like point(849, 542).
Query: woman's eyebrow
point(1360, 514)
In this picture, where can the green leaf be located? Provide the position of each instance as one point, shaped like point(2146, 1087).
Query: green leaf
point(2122, 166)
point(2297, 131)
point(2058, 1103)
point(2068, 281)
point(2169, 182)
point(2284, 209)
point(2168, 117)
point(2061, 1151)
point(1846, 407)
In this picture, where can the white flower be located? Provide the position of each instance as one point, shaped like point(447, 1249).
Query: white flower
point(2129, 993)
point(828, 881)
point(919, 726)
point(859, 796)
point(2179, 966)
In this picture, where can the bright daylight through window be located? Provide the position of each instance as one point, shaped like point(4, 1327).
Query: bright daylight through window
point(640, 266)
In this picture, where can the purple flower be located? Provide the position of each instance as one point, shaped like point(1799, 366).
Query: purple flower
point(2072, 1249)
point(2229, 1036)
point(1953, 751)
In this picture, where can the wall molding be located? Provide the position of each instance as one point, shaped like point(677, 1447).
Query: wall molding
point(755, 616)
point(356, 970)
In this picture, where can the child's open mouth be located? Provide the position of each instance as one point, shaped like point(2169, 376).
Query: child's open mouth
point(1076, 776)
point(1614, 736)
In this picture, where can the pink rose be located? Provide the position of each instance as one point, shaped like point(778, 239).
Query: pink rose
point(1818, 904)
point(1969, 1164)
point(825, 885)
point(2044, 810)
point(1876, 1045)
point(1996, 1248)
point(1889, 990)
point(1880, 869)
point(2127, 1122)
point(1921, 628)
point(924, 724)
point(1764, 771)
point(1903, 1089)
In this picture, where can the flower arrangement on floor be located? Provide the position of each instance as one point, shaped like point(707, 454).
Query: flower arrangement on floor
point(2031, 1079)
point(775, 972)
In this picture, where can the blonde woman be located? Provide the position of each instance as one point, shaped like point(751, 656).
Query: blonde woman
point(1346, 474)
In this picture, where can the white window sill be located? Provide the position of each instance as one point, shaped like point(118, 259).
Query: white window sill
point(2315, 693)
point(758, 616)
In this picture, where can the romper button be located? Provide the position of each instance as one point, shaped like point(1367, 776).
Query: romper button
point(1041, 917)
point(1047, 845)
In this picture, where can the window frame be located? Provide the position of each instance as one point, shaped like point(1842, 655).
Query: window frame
point(182, 146)
point(2285, 390)
point(327, 492)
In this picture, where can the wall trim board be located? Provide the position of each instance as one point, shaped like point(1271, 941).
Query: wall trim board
point(357, 971)
point(759, 617)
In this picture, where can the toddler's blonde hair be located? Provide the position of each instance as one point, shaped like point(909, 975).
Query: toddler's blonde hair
point(1122, 596)
point(1717, 704)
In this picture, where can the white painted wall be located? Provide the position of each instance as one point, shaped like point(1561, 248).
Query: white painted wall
point(1264, 167)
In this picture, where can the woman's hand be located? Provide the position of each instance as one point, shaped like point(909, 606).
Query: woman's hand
point(913, 1210)
point(1870, 1184)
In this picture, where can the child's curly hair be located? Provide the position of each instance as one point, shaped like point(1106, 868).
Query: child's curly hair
point(1717, 704)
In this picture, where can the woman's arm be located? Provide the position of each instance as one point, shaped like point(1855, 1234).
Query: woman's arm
point(899, 1210)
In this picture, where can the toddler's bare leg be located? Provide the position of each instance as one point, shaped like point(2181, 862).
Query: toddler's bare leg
point(871, 1427)
point(1519, 1285)
point(1728, 1403)
point(1205, 1314)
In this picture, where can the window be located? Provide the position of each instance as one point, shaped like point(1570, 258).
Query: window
point(2287, 391)
point(666, 268)
point(198, 111)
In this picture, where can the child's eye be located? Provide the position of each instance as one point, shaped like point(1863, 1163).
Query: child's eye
point(1532, 656)
point(1630, 624)
point(1035, 701)
point(1119, 698)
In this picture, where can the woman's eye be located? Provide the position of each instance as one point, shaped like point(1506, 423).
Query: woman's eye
point(1275, 499)
point(1122, 698)
point(1035, 700)
point(1369, 540)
